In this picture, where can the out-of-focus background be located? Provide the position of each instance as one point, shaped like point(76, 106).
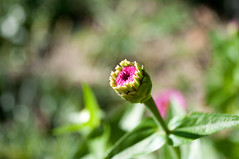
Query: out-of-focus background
point(56, 57)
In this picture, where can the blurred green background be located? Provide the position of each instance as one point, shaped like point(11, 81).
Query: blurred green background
point(56, 57)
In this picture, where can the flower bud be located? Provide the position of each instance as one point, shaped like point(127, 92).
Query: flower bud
point(131, 82)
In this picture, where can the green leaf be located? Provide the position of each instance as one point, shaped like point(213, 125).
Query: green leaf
point(69, 128)
point(98, 144)
point(199, 124)
point(179, 140)
point(167, 152)
point(91, 105)
point(175, 109)
point(134, 114)
point(200, 149)
point(144, 130)
point(91, 109)
point(144, 147)
point(208, 149)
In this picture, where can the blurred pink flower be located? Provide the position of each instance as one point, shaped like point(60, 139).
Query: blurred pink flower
point(233, 27)
point(163, 99)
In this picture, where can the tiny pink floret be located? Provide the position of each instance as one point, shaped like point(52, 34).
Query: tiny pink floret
point(125, 76)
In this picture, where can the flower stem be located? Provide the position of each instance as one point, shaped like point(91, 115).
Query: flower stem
point(178, 152)
point(150, 104)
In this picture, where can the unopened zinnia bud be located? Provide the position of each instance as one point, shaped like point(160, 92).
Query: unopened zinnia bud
point(131, 82)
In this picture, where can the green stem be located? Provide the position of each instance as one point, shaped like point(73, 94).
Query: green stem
point(178, 152)
point(150, 104)
point(156, 115)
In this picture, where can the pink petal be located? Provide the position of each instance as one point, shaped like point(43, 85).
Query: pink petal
point(125, 76)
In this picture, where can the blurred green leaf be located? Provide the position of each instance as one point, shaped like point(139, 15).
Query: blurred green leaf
point(69, 128)
point(198, 124)
point(144, 147)
point(91, 108)
point(200, 149)
point(178, 140)
point(92, 105)
point(195, 151)
point(208, 150)
point(134, 114)
point(141, 132)
point(175, 109)
point(98, 145)
point(167, 152)
point(222, 78)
